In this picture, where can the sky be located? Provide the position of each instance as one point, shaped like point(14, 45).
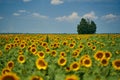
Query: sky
point(58, 16)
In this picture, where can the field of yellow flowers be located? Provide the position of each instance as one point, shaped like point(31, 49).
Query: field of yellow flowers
point(59, 57)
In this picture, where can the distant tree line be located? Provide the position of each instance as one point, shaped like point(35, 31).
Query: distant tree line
point(86, 26)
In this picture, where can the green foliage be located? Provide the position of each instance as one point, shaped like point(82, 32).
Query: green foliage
point(86, 27)
point(47, 39)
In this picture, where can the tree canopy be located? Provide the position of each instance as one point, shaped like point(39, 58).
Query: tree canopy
point(86, 26)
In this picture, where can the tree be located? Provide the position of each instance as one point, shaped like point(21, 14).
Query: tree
point(86, 27)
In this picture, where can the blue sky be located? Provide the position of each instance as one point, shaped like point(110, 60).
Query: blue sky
point(58, 16)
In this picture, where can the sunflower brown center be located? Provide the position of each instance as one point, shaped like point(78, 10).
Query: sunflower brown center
point(75, 65)
point(8, 77)
point(10, 64)
point(12, 45)
point(53, 53)
point(7, 48)
point(6, 71)
point(33, 50)
point(16, 38)
point(81, 46)
point(33, 45)
point(67, 68)
point(71, 45)
point(41, 54)
point(93, 47)
point(55, 45)
point(41, 63)
point(48, 50)
point(44, 44)
point(35, 79)
point(22, 45)
point(21, 58)
point(107, 55)
point(89, 44)
point(99, 55)
point(87, 62)
point(70, 79)
point(104, 61)
point(29, 48)
point(117, 63)
point(75, 54)
point(64, 43)
point(62, 61)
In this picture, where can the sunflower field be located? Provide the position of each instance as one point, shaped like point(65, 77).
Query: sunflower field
point(59, 57)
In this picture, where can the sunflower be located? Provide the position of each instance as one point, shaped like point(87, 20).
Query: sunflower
point(41, 54)
point(63, 54)
point(62, 61)
point(9, 76)
point(71, 45)
point(93, 48)
point(82, 58)
point(36, 78)
point(5, 70)
point(72, 77)
point(33, 45)
point(116, 64)
point(75, 66)
point(53, 53)
point(67, 50)
point(75, 54)
point(55, 45)
point(33, 50)
point(99, 55)
point(16, 38)
point(41, 64)
point(7, 47)
point(44, 44)
point(117, 51)
point(81, 46)
point(89, 44)
point(65, 43)
point(104, 61)
point(22, 45)
point(20, 51)
point(15, 44)
point(12, 45)
point(29, 48)
point(10, 64)
point(74, 41)
point(87, 62)
point(102, 45)
point(21, 58)
point(67, 69)
point(108, 55)
point(47, 50)
point(52, 45)
point(78, 50)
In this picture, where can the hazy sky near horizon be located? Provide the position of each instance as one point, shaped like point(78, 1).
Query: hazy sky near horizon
point(58, 16)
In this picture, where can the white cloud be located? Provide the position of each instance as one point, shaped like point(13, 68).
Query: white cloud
point(1, 17)
point(22, 11)
point(16, 14)
point(26, 0)
point(39, 15)
point(90, 15)
point(56, 2)
point(110, 17)
point(74, 16)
